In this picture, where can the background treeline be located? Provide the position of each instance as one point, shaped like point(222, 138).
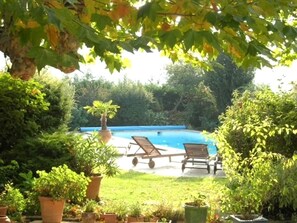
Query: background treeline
point(190, 96)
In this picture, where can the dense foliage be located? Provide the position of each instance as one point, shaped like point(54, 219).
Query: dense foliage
point(262, 119)
point(42, 152)
point(135, 102)
point(61, 183)
point(257, 140)
point(60, 95)
point(36, 33)
point(189, 97)
point(201, 112)
point(224, 79)
point(21, 104)
point(88, 90)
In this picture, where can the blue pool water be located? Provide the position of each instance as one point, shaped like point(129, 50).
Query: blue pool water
point(169, 136)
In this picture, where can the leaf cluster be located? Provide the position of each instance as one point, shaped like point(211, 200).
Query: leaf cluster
point(92, 156)
point(12, 198)
point(198, 200)
point(252, 33)
point(21, 102)
point(61, 183)
point(100, 108)
point(135, 210)
point(256, 141)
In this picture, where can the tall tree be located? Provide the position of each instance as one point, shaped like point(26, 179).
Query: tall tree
point(135, 102)
point(202, 111)
point(36, 33)
point(183, 78)
point(226, 77)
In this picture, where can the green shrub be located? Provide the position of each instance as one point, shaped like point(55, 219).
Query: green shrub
point(134, 101)
point(257, 140)
point(61, 183)
point(262, 119)
point(250, 189)
point(21, 103)
point(8, 172)
point(60, 96)
point(92, 156)
point(13, 199)
point(43, 152)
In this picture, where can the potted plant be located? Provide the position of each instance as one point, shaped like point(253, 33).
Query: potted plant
point(91, 212)
point(12, 203)
point(103, 110)
point(196, 209)
point(135, 213)
point(53, 188)
point(94, 159)
point(250, 188)
point(177, 215)
point(112, 212)
point(161, 211)
point(244, 202)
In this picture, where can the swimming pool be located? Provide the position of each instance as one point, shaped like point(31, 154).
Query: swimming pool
point(169, 136)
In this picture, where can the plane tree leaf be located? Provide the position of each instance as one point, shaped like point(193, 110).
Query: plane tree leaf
point(254, 33)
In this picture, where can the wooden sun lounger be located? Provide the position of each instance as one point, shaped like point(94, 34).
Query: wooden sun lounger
point(197, 155)
point(150, 151)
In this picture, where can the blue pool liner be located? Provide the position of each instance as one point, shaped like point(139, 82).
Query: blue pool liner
point(127, 128)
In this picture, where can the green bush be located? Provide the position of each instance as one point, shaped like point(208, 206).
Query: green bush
point(263, 120)
point(249, 190)
point(43, 152)
point(257, 140)
point(61, 183)
point(21, 103)
point(92, 156)
point(60, 95)
point(134, 101)
point(13, 199)
point(8, 172)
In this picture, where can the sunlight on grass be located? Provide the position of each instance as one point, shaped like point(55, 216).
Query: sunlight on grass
point(134, 187)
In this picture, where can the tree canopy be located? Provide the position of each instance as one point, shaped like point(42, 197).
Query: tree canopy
point(36, 33)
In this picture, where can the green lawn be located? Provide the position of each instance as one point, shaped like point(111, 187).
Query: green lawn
point(134, 187)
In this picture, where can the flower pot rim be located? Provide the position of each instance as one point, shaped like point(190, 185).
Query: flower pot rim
point(190, 204)
point(254, 217)
point(50, 198)
point(96, 175)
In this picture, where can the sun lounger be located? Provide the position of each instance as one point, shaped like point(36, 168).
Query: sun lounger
point(218, 164)
point(197, 155)
point(149, 151)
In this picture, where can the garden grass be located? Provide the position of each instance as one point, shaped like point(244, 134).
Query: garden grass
point(133, 187)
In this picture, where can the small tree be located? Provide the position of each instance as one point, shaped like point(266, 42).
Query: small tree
point(103, 110)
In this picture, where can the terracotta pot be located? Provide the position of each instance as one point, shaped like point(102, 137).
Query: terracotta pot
point(105, 135)
point(109, 218)
point(94, 187)
point(51, 210)
point(135, 219)
point(4, 219)
point(3, 211)
point(88, 217)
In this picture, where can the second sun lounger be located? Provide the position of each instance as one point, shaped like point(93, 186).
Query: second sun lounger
point(197, 156)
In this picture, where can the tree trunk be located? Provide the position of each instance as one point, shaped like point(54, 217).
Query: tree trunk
point(103, 122)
